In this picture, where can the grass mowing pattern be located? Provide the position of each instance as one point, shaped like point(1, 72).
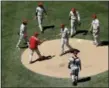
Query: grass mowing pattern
point(14, 73)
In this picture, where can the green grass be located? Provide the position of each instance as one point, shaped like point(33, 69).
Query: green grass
point(14, 74)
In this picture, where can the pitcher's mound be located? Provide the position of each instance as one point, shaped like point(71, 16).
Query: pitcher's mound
point(94, 59)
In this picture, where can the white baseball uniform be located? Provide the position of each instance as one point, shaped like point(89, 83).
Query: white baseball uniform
point(96, 30)
point(65, 39)
point(40, 12)
point(75, 65)
point(23, 34)
point(74, 19)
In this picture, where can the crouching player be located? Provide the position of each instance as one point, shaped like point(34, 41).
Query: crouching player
point(75, 66)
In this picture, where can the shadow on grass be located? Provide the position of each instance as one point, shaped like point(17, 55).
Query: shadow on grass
point(85, 79)
point(104, 43)
point(48, 27)
point(43, 58)
point(23, 47)
point(84, 32)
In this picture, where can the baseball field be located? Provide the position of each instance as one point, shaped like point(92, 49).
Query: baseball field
point(16, 70)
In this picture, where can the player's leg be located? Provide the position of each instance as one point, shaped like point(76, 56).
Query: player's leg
point(40, 23)
point(73, 77)
point(62, 46)
point(75, 26)
point(96, 40)
point(72, 27)
point(19, 41)
point(31, 55)
point(67, 44)
point(38, 53)
point(76, 74)
point(26, 40)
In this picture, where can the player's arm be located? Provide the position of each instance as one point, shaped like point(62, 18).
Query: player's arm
point(78, 16)
point(59, 33)
point(98, 27)
point(22, 29)
point(80, 65)
point(41, 41)
point(90, 29)
point(69, 64)
point(70, 16)
point(36, 14)
point(44, 10)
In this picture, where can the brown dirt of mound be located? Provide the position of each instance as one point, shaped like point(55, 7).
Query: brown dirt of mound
point(94, 59)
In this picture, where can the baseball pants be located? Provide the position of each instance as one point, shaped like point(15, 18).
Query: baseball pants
point(22, 36)
point(73, 26)
point(96, 36)
point(74, 73)
point(40, 19)
point(65, 41)
point(32, 52)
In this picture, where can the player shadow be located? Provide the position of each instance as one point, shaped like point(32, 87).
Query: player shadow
point(23, 47)
point(104, 43)
point(84, 79)
point(69, 51)
point(84, 32)
point(48, 27)
point(43, 58)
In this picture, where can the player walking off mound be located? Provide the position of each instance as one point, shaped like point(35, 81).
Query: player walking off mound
point(23, 33)
point(95, 29)
point(34, 43)
point(75, 66)
point(74, 20)
point(64, 38)
point(40, 10)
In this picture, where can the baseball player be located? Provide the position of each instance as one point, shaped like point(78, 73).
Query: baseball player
point(75, 66)
point(95, 29)
point(34, 42)
point(23, 33)
point(64, 38)
point(40, 10)
point(74, 17)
